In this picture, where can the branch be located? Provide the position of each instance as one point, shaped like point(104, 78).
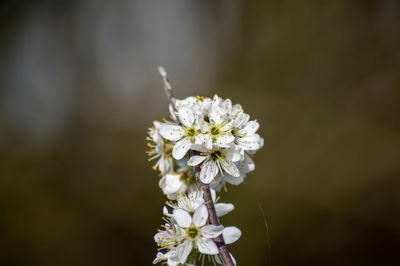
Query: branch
point(167, 87)
point(212, 215)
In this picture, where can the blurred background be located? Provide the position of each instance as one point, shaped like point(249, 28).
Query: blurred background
point(79, 88)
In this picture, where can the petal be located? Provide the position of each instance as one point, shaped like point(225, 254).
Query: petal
point(206, 246)
point(251, 127)
point(236, 109)
point(213, 194)
point(166, 212)
point(234, 180)
point(215, 114)
point(181, 148)
point(241, 120)
point(248, 164)
point(162, 237)
point(172, 132)
point(182, 218)
point(230, 168)
point(223, 208)
point(186, 116)
point(251, 142)
point(172, 112)
point(200, 216)
point(211, 231)
point(226, 105)
point(208, 172)
point(197, 147)
point(224, 140)
point(185, 250)
point(196, 159)
point(199, 139)
point(233, 154)
point(208, 142)
point(231, 234)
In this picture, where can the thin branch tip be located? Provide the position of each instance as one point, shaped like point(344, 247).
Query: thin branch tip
point(162, 71)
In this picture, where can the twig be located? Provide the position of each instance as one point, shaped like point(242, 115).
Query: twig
point(167, 87)
point(212, 215)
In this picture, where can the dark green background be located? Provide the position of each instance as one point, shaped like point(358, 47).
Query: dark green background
point(321, 77)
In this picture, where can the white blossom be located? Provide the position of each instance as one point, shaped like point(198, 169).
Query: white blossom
point(160, 148)
point(216, 160)
point(172, 184)
point(185, 134)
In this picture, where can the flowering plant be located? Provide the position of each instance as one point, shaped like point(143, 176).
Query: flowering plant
point(207, 144)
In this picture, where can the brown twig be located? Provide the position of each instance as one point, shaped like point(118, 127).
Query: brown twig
point(167, 87)
point(212, 215)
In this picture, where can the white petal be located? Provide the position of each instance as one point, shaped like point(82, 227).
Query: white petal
point(181, 148)
point(241, 120)
point(186, 116)
point(185, 251)
point(236, 109)
point(230, 168)
point(233, 154)
point(199, 139)
point(215, 114)
point(231, 234)
point(234, 180)
point(211, 231)
point(224, 140)
point(172, 132)
point(223, 208)
point(206, 246)
point(172, 112)
point(196, 159)
point(208, 172)
point(251, 142)
point(173, 184)
point(162, 237)
point(197, 147)
point(213, 194)
point(208, 142)
point(226, 105)
point(166, 212)
point(251, 127)
point(248, 163)
point(182, 218)
point(200, 216)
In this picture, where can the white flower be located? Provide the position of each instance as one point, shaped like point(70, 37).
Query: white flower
point(217, 131)
point(172, 184)
point(197, 233)
point(195, 199)
point(185, 134)
point(245, 166)
point(230, 234)
point(169, 239)
point(245, 132)
point(214, 161)
point(189, 101)
point(159, 148)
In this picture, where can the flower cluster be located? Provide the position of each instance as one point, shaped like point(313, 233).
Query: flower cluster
point(207, 143)
point(186, 234)
point(222, 134)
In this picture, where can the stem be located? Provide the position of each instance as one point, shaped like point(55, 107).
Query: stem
point(212, 215)
point(167, 87)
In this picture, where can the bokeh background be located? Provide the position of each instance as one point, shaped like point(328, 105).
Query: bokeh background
point(79, 88)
